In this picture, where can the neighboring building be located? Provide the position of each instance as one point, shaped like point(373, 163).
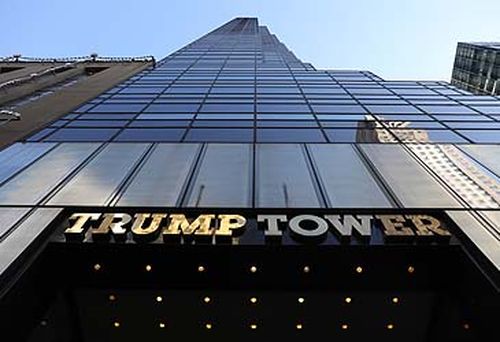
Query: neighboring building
point(36, 91)
point(477, 68)
point(234, 192)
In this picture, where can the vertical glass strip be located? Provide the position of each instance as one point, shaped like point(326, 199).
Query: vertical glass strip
point(284, 178)
point(345, 179)
point(409, 181)
point(224, 178)
point(162, 177)
point(35, 182)
point(96, 182)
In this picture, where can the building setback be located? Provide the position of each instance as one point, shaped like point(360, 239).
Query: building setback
point(232, 191)
point(39, 91)
point(477, 68)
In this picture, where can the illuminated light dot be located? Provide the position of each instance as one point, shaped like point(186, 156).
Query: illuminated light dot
point(43, 323)
point(359, 269)
point(253, 300)
point(253, 326)
point(348, 300)
point(159, 299)
point(299, 326)
point(390, 326)
point(301, 300)
point(466, 326)
point(395, 300)
point(344, 326)
point(112, 297)
point(411, 269)
point(306, 269)
point(116, 324)
point(207, 299)
point(208, 326)
point(97, 267)
point(162, 325)
point(201, 268)
point(253, 269)
point(149, 268)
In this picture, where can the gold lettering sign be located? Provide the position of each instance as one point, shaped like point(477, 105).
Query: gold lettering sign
point(139, 231)
point(229, 226)
point(427, 225)
point(270, 225)
point(213, 228)
point(80, 220)
point(179, 224)
point(114, 223)
point(344, 225)
point(394, 227)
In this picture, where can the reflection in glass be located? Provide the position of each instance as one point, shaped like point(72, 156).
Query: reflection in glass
point(477, 186)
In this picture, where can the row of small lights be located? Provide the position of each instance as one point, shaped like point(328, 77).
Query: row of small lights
point(254, 326)
point(254, 300)
point(254, 269)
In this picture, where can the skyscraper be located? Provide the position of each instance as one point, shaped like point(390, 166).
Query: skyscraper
point(477, 68)
point(234, 191)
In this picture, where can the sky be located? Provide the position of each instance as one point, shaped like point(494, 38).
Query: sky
point(396, 39)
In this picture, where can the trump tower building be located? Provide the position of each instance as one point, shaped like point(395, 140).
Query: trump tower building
point(233, 191)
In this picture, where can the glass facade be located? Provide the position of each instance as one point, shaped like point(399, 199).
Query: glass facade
point(236, 121)
point(240, 86)
point(477, 68)
point(244, 85)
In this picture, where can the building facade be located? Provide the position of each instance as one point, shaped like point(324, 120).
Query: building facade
point(37, 91)
point(234, 191)
point(477, 68)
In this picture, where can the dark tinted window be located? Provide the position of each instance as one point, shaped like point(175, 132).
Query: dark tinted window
point(482, 136)
point(118, 108)
point(220, 135)
point(289, 135)
point(172, 108)
point(82, 134)
point(150, 134)
point(338, 109)
point(233, 107)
